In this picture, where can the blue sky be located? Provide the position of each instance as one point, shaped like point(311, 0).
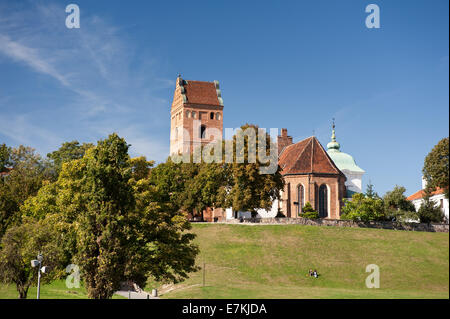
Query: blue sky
point(292, 64)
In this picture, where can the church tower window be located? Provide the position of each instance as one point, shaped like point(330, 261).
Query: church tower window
point(218, 116)
point(203, 131)
point(211, 116)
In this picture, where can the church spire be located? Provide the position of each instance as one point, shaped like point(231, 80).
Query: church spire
point(333, 145)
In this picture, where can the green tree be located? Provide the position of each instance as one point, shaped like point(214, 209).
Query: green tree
point(309, 212)
point(25, 179)
point(21, 244)
point(4, 157)
point(428, 211)
point(436, 166)
point(397, 206)
point(67, 152)
point(363, 208)
point(206, 189)
point(370, 191)
point(162, 246)
point(122, 227)
point(248, 189)
point(140, 167)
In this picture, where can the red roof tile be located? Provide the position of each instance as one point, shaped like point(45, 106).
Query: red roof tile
point(199, 92)
point(307, 156)
point(421, 193)
point(6, 171)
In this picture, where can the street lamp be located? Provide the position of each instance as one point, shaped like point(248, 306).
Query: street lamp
point(38, 263)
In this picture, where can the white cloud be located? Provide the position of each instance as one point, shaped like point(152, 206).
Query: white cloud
point(92, 67)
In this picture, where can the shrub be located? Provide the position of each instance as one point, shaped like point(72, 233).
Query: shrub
point(363, 208)
point(429, 213)
point(309, 212)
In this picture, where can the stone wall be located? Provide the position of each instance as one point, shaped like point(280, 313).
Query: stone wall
point(443, 228)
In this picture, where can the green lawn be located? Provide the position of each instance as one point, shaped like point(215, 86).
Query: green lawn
point(54, 290)
point(268, 261)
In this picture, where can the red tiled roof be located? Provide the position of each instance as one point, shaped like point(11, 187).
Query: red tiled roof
point(421, 193)
point(6, 171)
point(307, 156)
point(200, 92)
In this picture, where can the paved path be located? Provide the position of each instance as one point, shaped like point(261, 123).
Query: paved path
point(135, 295)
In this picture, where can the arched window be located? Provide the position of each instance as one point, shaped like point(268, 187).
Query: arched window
point(323, 201)
point(217, 116)
point(188, 114)
point(211, 116)
point(300, 196)
point(203, 131)
point(194, 114)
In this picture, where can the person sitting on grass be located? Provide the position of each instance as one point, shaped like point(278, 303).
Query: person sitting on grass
point(310, 273)
point(315, 274)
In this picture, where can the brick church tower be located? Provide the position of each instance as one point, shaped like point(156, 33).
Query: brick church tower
point(196, 115)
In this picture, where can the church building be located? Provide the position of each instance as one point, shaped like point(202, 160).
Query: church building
point(311, 174)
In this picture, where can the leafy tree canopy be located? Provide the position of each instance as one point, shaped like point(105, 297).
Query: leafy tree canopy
point(21, 244)
point(67, 152)
point(436, 166)
point(120, 226)
point(4, 157)
point(24, 180)
point(363, 208)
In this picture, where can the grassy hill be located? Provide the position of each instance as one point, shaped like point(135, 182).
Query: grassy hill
point(272, 261)
point(266, 261)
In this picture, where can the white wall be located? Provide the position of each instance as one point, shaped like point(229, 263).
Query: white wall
point(354, 181)
point(437, 200)
point(262, 213)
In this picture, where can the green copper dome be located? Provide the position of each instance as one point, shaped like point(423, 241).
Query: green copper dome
point(342, 160)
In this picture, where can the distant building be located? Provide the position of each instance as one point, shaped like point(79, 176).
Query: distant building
point(196, 115)
point(437, 196)
point(310, 176)
point(346, 165)
point(5, 172)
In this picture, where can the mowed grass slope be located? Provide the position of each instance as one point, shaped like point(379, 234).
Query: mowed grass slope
point(54, 290)
point(272, 261)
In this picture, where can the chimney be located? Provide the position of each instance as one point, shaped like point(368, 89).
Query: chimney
point(424, 183)
point(283, 140)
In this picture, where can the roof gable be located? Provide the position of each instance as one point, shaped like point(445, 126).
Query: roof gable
point(307, 156)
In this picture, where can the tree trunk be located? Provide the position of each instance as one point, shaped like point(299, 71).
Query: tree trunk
point(22, 292)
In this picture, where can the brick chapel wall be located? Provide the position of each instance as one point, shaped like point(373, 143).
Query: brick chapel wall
point(311, 184)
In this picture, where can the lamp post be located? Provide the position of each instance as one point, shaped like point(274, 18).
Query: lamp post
point(38, 263)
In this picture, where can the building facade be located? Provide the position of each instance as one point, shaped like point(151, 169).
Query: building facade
point(310, 175)
point(437, 197)
point(196, 115)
